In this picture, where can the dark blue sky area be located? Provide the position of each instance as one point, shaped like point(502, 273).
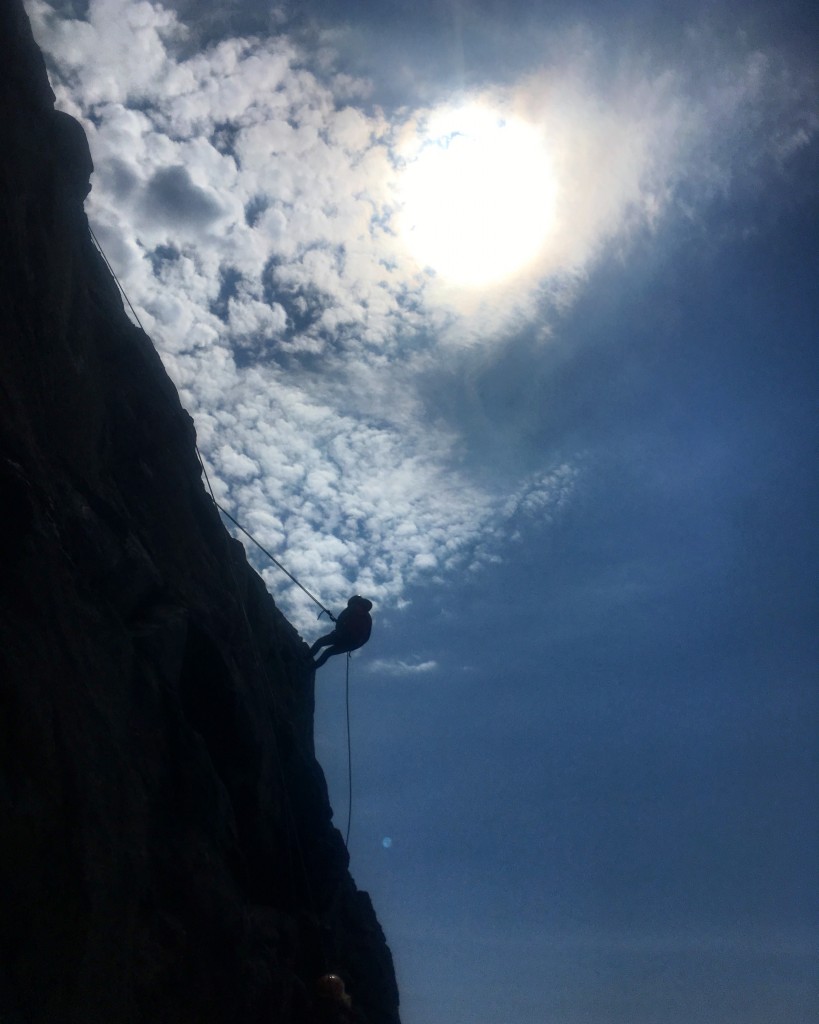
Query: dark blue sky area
point(423, 50)
point(603, 803)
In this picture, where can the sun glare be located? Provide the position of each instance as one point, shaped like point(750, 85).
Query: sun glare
point(477, 197)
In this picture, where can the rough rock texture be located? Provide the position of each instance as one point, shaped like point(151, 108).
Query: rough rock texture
point(166, 846)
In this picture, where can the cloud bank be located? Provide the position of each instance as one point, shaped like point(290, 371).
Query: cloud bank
point(248, 197)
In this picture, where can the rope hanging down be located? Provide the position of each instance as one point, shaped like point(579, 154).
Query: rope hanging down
point(349, 758)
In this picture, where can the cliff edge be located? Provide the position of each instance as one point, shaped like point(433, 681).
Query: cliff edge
point(166, 845)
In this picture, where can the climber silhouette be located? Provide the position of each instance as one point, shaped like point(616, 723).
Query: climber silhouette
point(352, 630)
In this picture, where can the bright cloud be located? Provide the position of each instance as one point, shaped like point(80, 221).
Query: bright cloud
point(249, 198)
point(478, 195)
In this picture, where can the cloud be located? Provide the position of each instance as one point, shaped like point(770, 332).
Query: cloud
point(397, 667)
point(247, 196)
point(172, 198)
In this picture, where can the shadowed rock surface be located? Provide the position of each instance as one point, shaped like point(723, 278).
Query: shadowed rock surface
point(166, 845)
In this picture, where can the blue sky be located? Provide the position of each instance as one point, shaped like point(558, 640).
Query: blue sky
point(582, 494)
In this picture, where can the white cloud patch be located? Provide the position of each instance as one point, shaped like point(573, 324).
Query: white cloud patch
point(247, 197)
point(396, 667)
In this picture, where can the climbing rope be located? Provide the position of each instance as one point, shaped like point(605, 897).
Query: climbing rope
point(113, 274)
point(290, 818)
point(349, 655)
point(292, 824)
point(274, 560)
point(224, 511)
point(248, 534)
point(349, 757)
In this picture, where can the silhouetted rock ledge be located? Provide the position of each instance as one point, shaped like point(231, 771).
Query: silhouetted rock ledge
point(166, 845)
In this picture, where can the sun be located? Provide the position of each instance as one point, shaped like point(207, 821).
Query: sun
point(477, 197)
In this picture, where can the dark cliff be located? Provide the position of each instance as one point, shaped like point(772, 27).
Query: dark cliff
point(166, 846)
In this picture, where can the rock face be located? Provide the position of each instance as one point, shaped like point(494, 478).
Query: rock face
point(166, 846)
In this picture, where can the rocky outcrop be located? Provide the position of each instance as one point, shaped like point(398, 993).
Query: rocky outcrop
point(166, 846)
